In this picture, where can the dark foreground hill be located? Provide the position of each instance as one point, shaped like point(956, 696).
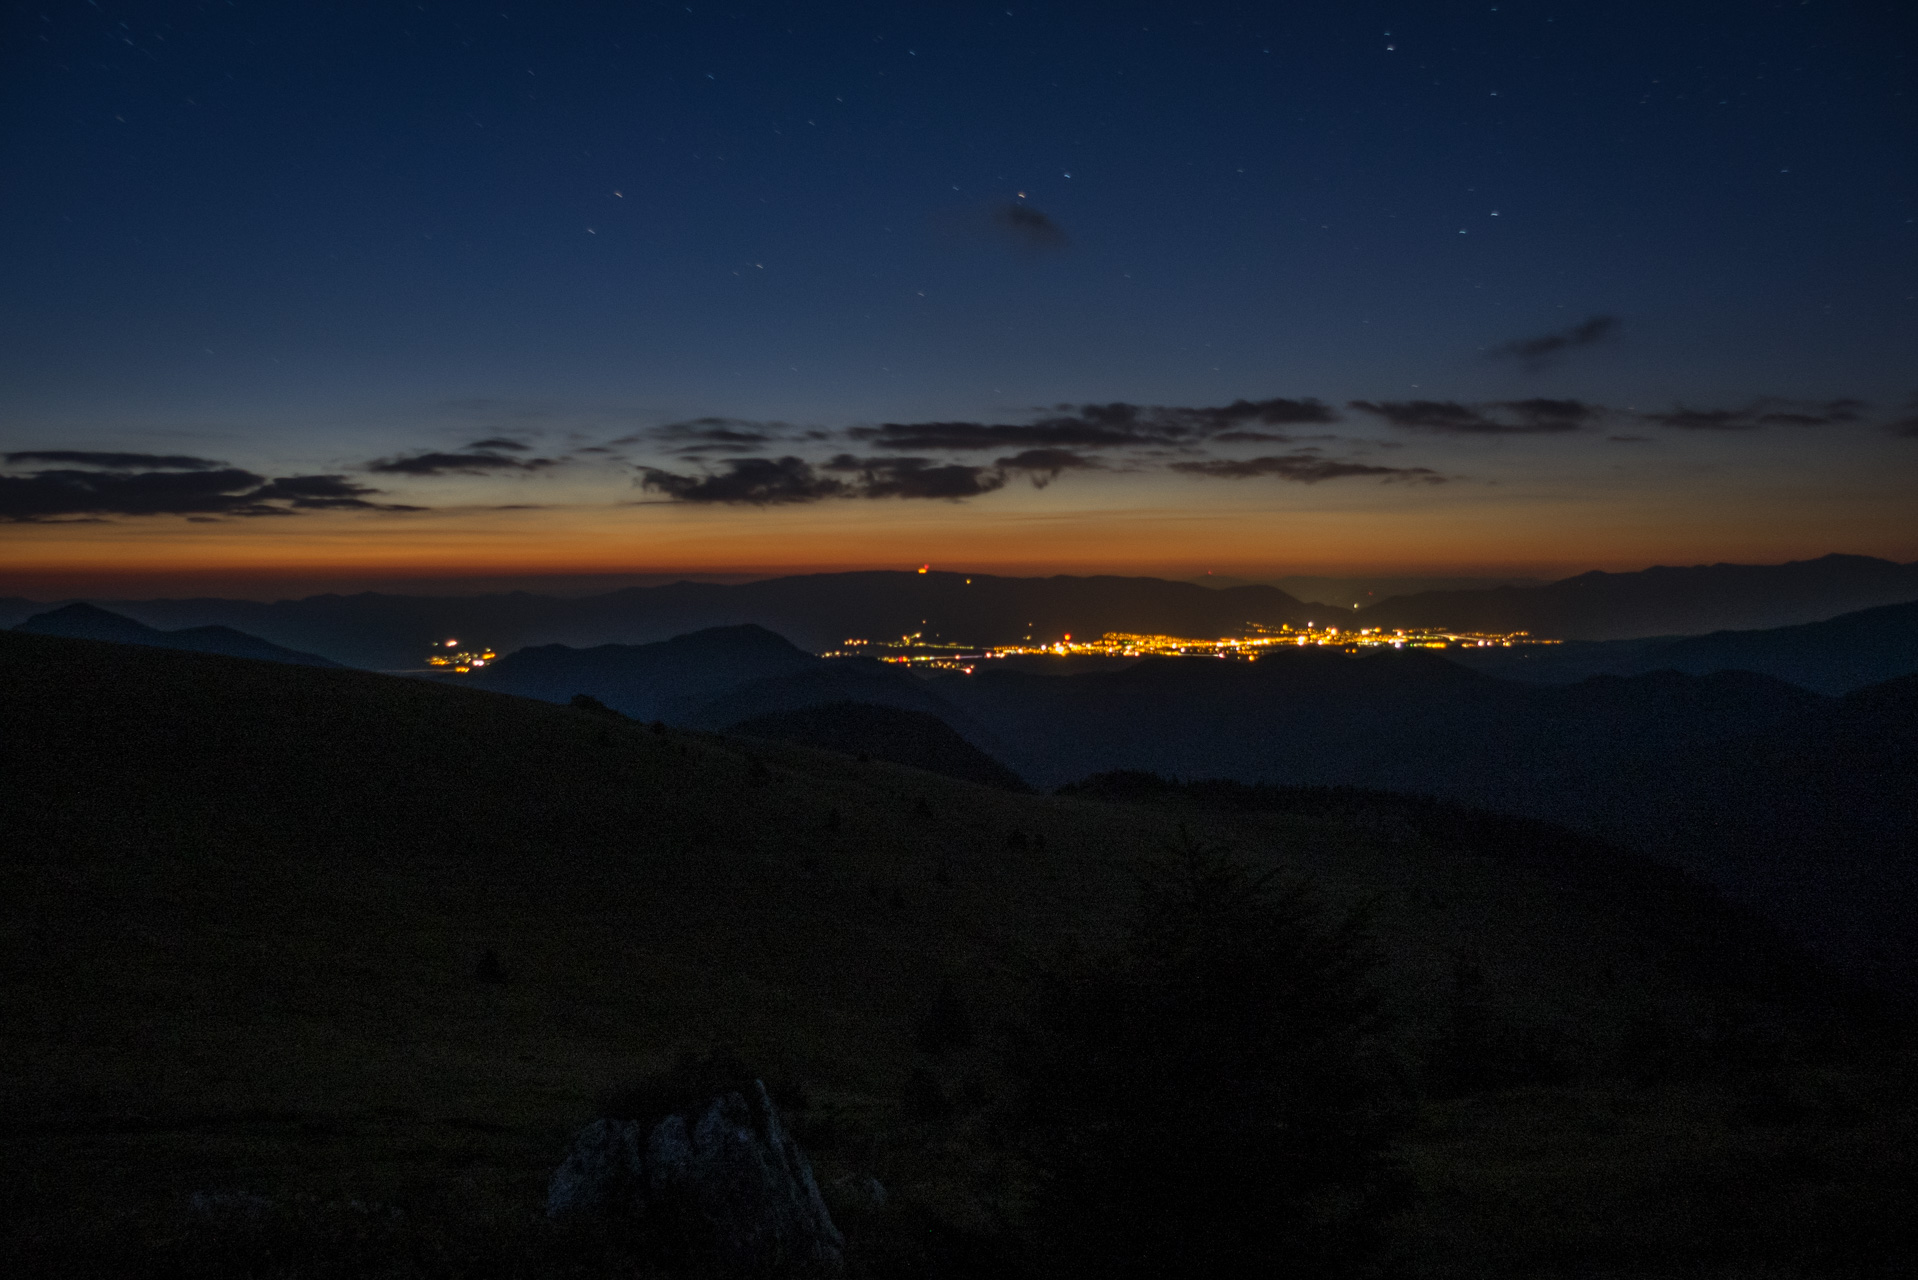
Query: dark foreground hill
point(1663, 601)
point(884, 733)
point(86, 622)
point(252, 1026)
point(1726, 774)
point(1802, 805)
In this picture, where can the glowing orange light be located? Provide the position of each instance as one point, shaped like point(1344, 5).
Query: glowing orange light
point(924, 567)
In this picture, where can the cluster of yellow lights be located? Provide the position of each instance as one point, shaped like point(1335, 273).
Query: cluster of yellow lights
point(913, 650)
point(463, 660)
point(1122, 644)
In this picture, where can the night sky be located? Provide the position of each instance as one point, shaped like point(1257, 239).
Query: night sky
point(295, 292)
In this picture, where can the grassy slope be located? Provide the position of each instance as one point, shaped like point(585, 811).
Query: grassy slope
point(241, 907)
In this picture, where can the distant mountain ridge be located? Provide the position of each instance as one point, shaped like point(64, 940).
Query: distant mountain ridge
point(1835, 656)
point(1662, 601)
point(669, 679)
point(81, 621)
point(817, 612)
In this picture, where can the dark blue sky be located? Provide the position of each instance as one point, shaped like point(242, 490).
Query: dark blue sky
point(300, 237)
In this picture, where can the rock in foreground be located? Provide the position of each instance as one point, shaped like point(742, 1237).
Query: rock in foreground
point(722, 1184)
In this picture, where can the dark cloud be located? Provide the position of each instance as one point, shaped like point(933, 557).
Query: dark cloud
point(1831, 413)
point(771, 481)
point(1053, 433)
point(206, 493)
point(1503, 417)
point(316, 493)
point(1301, 468)
point(1252, 437)
point(1043, 466)
point(1764, 413)
point(116, 461)
point(714, 435)
point(1906, 427)
point(1546, 349)
point(1027, 227)
point(500, 442)
point(1549, 415)
point(1629, 439)
point(1271, 413)
point(755, 482)
point(909, 477)
point(471, 463)
point(1116, 425)
point(1704, 419)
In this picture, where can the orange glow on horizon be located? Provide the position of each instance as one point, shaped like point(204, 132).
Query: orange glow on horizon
point(1445, 532)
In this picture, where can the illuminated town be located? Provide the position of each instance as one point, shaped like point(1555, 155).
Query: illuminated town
point(916, 651)
point(461, 660)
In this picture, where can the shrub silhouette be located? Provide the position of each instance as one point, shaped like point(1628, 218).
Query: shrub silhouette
point(588, 703)
point(1216, 1100)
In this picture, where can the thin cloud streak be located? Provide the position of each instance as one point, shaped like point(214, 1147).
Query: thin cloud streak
point(1547, 349)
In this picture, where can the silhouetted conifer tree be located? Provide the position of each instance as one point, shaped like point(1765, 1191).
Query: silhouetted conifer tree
point(1217, 1099)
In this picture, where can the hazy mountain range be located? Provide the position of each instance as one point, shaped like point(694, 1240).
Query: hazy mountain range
point(80, 621)
point(1663, 601)
point(819, 611)
point(1834, 656)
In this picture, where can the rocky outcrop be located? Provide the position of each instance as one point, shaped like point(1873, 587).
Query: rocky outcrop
point(602, 1174)
point(721, 1184)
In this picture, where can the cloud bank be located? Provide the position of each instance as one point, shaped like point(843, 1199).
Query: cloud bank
point(750, 463)
point(136, 484)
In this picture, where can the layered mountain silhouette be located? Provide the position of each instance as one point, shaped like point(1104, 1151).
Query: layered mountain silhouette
point(1662, 601)
point(1834, 656)
point(669, 680)
point(1796, 802)
point(818, 612)
point(81, 621)
point(1802, 805)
